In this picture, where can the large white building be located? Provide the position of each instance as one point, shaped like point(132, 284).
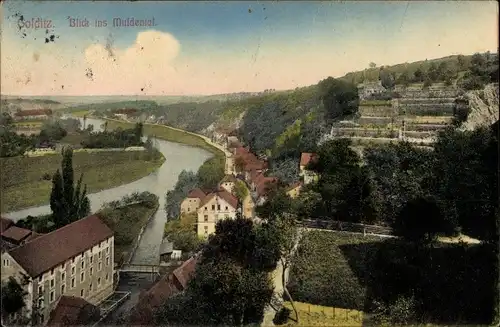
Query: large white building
point(75, 260)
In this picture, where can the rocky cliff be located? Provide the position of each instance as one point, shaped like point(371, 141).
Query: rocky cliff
point(483, 107)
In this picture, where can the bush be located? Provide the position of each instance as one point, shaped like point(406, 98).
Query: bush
point(281, 316)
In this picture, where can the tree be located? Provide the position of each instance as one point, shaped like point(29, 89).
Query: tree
point(339, 97)
point(420, 221)
point(287, 236)
point(403, 79)
point(211, 172)
point(68, 203)
point(386, 78)
point(372, 65)
point(12, 296)
point(278, 202)
point(419, 75)
point(231, 284)
point(240, 190)
point(186, 181)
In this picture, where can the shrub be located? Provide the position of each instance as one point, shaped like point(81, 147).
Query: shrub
point(281, 316)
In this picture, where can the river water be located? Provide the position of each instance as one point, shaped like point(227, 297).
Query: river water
point(178, 157)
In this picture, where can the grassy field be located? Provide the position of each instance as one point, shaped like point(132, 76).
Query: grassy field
point(316, 315)
point(451, 283)
point(169, 134)
point(26, 181)
point(80, 113)
point(127, 223)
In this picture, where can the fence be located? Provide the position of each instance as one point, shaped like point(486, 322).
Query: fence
point(346, 226)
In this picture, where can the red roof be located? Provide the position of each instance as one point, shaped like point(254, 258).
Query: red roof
point(16, 233)
point(264, 184)
point(34, 112)
point(306, 158)
point(223, 194)
point(196, 194)
point(48, 251)
point(5, 223)
point(143, 312)
point(73, 311)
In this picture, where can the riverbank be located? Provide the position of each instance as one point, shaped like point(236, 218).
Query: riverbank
point(26, 181)
point(175, 135)
point(128, 223)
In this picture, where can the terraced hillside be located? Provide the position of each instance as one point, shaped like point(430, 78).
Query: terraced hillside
point(415, 115)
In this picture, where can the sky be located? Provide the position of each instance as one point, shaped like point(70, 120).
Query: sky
point(201, 48)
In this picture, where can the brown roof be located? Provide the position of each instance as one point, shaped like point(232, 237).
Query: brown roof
point(196, 193)
point(5, 223)
point(69, 312)
point(185, 271)
point(143, 312)
point(306, 157)
point(225, 195)
point(34, 112)
point(47, 251)
point(235, 144)
point(264, 183)
point(16, 233)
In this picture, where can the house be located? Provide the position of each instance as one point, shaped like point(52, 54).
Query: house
point(192, 202)
point(74, 260)
point(38, 114)
point(221, 135)
point(233, 142)
point(307, 176)
point(17, 235)
point(293, 190)
point(143, 312)
point(166, 250)
point(73, 311)
point(368, 89)
point(5, 223)
point(261, 186)
point(215, 206)
point(228, 183)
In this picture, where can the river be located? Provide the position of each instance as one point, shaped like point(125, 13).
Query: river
point(178, 157)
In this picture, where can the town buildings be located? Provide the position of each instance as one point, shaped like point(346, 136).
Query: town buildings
point(192, 202)
point(216, 206)
point(75, 260)
point(34, 114)
point(307, 175)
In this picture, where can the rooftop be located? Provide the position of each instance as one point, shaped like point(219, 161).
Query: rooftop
point(16, 233)
point(50, 250)
point(223, 194)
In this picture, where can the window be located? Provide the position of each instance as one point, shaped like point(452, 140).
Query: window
point(6, 262)
point(90, 287)
point(82, 255)
point(82, 276)
point(205, 208)
point(227, 208)
point(73, 260)
point(99, 266)
point(73, 282)
point(100, 254)
point(63, 277)
point(107, 276)
point(189, 209)
point(107, 261)
point(40, 279)
point(91, 270)
point(63, 266)
point(213, 206)
point(99, 281)
point(218, 207)
point(63, 288)
point(83, 264)
point(81, 293)
point(72, 271)
point(40, 290)
point(52, 296)
point(52, 272)
point(52, 283)
point(107, 250)
point(40, 303)
point(206, 218)
point(91, 259)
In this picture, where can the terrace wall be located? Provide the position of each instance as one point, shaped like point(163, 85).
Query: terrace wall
point(377, 111)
